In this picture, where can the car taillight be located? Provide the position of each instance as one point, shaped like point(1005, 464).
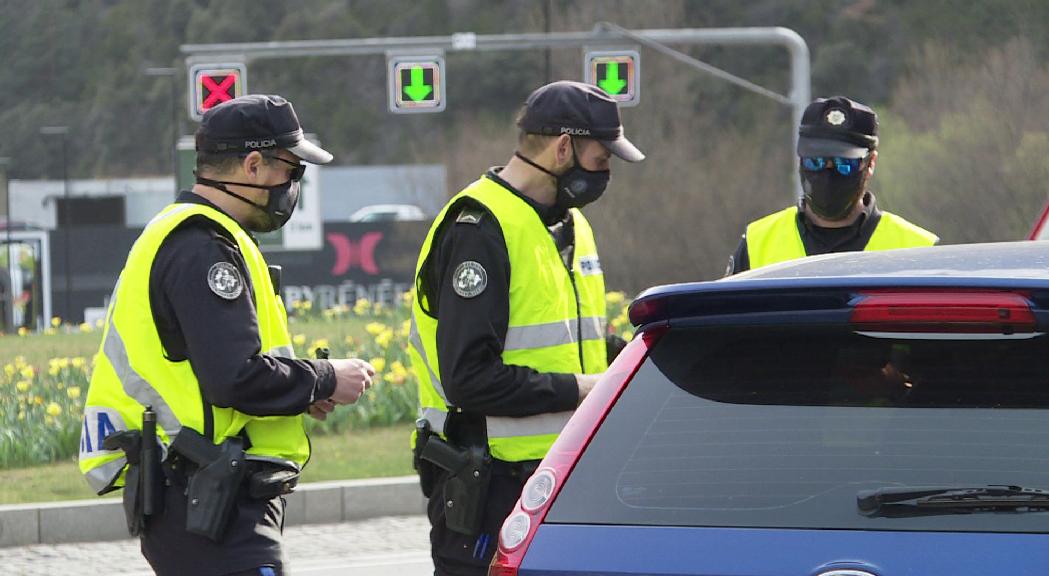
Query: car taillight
point(539, 492)
point(960, 312)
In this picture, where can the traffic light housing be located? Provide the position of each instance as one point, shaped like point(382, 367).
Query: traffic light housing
point(416, 84)
point(617, 72)
point(213, 84)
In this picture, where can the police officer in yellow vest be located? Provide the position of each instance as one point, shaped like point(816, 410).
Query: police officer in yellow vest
point(837, 150)
point(197, 333)
point(509, 319)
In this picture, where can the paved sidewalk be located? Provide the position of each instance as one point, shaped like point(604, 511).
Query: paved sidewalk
point(389, 541)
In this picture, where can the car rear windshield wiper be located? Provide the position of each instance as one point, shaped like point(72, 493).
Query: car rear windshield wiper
point(927, 500)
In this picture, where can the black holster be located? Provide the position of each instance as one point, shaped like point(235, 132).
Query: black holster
point(213, 487)
point(466, 488)
point(143, 480)
point(426, 470)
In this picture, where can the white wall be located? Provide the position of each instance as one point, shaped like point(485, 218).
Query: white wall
point(344, 189)
point(32, 200)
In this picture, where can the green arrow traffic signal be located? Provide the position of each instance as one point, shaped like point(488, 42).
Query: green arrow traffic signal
point(611, 82)
point(418, 90)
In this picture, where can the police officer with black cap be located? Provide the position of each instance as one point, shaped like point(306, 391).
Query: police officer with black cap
point(837, 152)
point(509, 318)
point(197, 346)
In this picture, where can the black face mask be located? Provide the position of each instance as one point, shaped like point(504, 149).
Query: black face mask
point(576, 186)
point(830, 195)
point(279, 206)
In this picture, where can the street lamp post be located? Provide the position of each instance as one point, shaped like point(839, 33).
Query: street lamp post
point(173, 74)
point(63, 131)
point(7, 322)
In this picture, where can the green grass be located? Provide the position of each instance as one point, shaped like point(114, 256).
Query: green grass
point(373, 453)
point(37, 349)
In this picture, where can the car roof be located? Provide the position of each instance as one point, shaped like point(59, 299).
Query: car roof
point(1005, 265)
point(992, 260)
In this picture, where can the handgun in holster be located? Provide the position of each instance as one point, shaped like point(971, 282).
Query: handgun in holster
point(143, 480)
point(466, 489)
point(427, 472)
point(213, 487)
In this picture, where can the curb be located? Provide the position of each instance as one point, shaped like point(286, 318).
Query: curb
point(312, 503)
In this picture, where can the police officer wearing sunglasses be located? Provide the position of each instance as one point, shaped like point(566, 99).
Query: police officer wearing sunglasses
point(196, 331)
point(837, 150)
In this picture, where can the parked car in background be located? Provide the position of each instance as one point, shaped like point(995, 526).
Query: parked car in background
point(388, 213)
point(856, 414)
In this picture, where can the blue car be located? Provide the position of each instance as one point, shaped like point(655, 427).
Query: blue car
point(861, 414)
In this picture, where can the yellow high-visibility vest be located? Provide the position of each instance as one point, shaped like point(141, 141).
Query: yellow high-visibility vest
point(775, 238)
point(551, 329)
point(131, 370)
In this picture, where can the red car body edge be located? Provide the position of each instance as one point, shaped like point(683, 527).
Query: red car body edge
point(569, 445)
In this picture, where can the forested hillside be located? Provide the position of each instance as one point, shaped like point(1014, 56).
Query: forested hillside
point(962, 88)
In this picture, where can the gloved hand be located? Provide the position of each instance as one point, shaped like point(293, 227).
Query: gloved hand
point(613, 346)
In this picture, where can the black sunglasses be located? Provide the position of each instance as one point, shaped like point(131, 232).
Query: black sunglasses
point(298, 168)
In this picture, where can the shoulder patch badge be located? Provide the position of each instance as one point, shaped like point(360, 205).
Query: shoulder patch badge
point(468, 216)
point(469, 279)
point(225, 281)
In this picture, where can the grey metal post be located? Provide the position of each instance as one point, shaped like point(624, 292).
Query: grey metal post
point(63, 131)
point(8, 321)
point(173, 74)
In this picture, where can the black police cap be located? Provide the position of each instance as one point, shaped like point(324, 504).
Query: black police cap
point(578, 109)
point(256, 122)
point(837, 126)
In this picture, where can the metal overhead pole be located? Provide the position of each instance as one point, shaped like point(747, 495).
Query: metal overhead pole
point(173, 74)
point(603, 35)
point(65, 223)
point(7, 321)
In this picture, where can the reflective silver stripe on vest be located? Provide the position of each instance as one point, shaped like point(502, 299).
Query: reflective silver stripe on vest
point(504, 427)
point(135, 385)
point(101, 477)
point(436, 417)
point(282, 352)
point(553, 333)
point(417, 342)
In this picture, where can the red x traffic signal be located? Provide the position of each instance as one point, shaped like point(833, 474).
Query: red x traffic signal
point(212, 84)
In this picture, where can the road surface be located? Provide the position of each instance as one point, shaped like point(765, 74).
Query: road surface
point(392, 546)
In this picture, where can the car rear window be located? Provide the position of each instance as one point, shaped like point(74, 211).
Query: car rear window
point(781, 427)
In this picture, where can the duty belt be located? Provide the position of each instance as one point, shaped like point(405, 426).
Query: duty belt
point(263, 480)
point(523, 470)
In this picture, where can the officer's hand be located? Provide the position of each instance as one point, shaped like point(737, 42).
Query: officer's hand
point(320, 409)
point(586, 383)
point(614, 344)
point(352, 378)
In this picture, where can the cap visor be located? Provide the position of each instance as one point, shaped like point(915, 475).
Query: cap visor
point(624, 149)
point(310, 152)
point(825, 147)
